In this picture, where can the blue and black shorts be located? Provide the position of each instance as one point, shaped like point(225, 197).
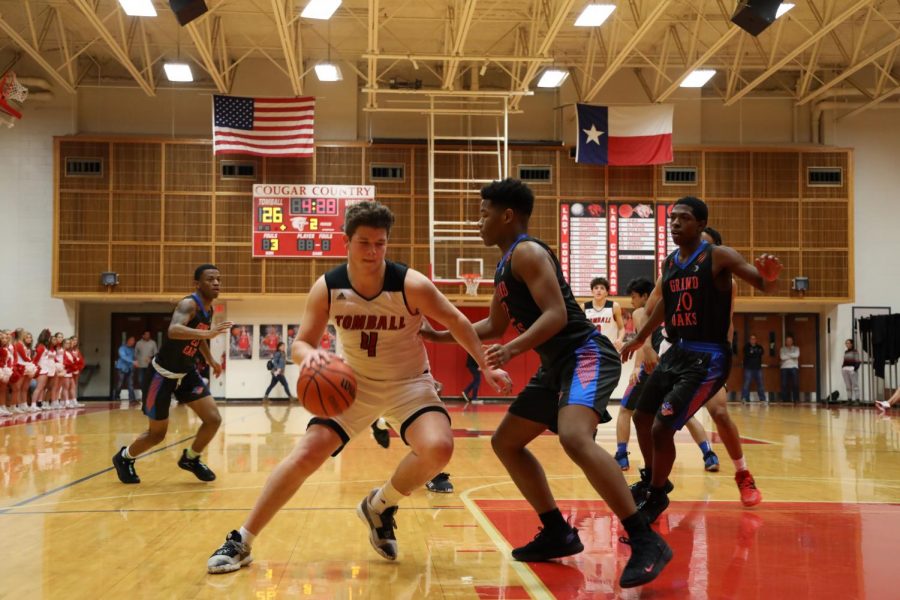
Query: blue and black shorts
point(156, 394)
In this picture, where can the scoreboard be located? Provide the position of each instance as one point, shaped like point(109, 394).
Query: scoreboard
point(302, 221)
point(616, 240)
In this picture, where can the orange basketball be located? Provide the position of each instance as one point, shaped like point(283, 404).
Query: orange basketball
point(327, 390)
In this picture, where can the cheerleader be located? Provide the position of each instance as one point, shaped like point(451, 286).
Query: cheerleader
point(46, 369)
point(76, 374)
point(65, 388)
point(24, 363)
point(15, 378)
point(5, 374)
point(56, 353)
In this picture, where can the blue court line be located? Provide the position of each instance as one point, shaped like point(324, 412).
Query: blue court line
point(86, 477)
point(209, 509)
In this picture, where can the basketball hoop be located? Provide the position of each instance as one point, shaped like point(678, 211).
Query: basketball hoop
point(471, 280)
point(12, 90)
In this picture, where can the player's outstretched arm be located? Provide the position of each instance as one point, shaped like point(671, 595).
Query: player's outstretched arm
point(423, 296)
point(184, 312)
point(489, 328)
point(620, 325)
point(305, 348)
point(762, 275)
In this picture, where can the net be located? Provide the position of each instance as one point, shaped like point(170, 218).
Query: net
point(471, 280)
point(12, 90)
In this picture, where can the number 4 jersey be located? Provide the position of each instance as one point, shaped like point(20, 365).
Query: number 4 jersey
point(180, 356)
point(378, 336)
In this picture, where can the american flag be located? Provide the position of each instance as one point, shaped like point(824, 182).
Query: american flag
point(263, 126)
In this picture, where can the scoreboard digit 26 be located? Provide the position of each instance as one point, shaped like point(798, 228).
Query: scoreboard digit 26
point(302, 221)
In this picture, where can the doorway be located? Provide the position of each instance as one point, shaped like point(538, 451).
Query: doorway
point(125, 325)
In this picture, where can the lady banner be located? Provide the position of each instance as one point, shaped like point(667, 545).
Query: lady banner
point(632, 244)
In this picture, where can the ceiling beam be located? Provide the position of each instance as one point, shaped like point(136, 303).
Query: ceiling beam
point(825, 30)
point(871, 103)
point(700, 62)
point(280, 8)
point(87, 8)
point(64, 46)
point(849, 71)
point(555, 24)
point(372, 66)
point(19, 41)
point(462, 25)
point(203, 44)
point(620, 58)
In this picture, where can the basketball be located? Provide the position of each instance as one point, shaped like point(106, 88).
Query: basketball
point(327, 390)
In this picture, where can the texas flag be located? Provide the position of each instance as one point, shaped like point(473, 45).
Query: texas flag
point(624, 135)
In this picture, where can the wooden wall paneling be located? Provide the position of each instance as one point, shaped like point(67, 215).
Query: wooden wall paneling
point(727, 174)
point(188, 218)
point(288, 170)
point(824, 224)
point(544, 223)
point(179, 263)
point(683, 158)
point(744, 289)
point(84, 216)
point(776, 225)
point(234, 218)
point(828, 272)
point(80, 266)
point(138, 166)
point(240, 185)
point(401, 232)
point(776, 174)
point(338, 165)
point(289, 276)
point(824, 159)
point(791, 261)
point(398, 155)
point(320, 266)
point(74, 148)
point(536, 157)
point(420, 225)
point(138, 268)
point(189, 167)
point(420, 259)
point(136, 217)
point(581, 182)
point(241, 273)
point(732, 218)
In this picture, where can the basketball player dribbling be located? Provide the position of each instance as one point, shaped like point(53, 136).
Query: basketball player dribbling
point(377, 307)
point(696, 291)
point(605, 314)
point(569, 393)
point(175, 372)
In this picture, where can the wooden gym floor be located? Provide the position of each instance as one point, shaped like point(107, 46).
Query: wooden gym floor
point(829, 525)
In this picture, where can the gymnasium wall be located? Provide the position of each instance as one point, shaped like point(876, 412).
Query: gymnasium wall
point(27, 152)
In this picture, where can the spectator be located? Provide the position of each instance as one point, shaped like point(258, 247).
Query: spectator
point(753, 354)
point(124, 367)
point(144, 351)
point(790, 371)
point(470, 392)
point(849, 369)
point(277, 363)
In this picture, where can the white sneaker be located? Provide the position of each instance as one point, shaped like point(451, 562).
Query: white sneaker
point(882, 404)
point(23, 408)
point(45, 406)
point(55, 405)
point(32, 408)
point(77, 404)
point(4, 412)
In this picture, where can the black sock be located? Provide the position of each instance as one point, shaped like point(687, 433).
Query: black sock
point(657, 491)
point(636, 523)
point(552, 520)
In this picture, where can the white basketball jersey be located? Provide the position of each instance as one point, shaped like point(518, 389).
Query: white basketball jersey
point(602, 319)
point(378, 337)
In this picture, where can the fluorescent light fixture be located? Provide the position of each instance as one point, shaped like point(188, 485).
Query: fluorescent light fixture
point(552, 78)
point(138, 8)
point(320, 9)
point(785, 6)
point(594, 15)
point(178, 72)
point(698, 78)
point(328, 72)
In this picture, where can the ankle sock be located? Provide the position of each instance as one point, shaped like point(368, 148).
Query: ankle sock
point(126, 455)
point(621, 447)
point(705, 447)
point(246, 536)
point(740, 464)
point(191, 455)
point(386, 497)
point(552, 520)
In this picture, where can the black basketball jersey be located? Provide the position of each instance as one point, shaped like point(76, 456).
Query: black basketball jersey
point(523, 311)
point(180, 356)
point(656, 338)
point(695, 310)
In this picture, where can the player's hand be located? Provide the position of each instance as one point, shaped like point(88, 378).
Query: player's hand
point(498, 379)
point(768, 266)
point(315, 358)
point(216, 368)
point(219, 329)
point(618, 344)
point(651, 359)
point(496, 355)
point(630, 348)
point(635, 374)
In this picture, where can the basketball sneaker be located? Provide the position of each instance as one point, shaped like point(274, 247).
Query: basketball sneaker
point(231, 556)
point(381, 436)
point(440, 484)
point(381, 527)
point(649, 555)
point(711, 462)
point(195, 466)
point(640, 488)
point(622, 459)
point(125, 468)
point(653, 505)
point(882, 404)
point(549, 544)
point(750, 496)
